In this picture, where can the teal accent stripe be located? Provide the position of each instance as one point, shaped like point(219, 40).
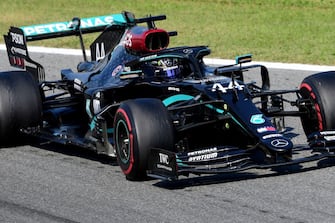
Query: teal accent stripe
point(88, 110)
point(180, 162)
point(237, 122)
point(175, 98)
point(92, 124)
point(221, 111)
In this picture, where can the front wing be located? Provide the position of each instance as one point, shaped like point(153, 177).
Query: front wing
point(169, 165)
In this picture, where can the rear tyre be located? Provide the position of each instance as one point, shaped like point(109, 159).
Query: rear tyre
point(140, 125)
point(20, 103)
point(320, 90)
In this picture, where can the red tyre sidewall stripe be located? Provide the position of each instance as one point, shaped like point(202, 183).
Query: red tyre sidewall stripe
point(131, 139)
point(316, 105)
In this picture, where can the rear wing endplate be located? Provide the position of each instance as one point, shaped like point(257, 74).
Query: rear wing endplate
point(18, 53)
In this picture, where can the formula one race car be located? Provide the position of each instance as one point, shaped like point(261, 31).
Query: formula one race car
point(161, 111)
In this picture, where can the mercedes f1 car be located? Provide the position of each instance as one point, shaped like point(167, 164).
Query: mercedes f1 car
point(160, 111)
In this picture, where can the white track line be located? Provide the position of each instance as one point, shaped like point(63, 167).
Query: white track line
point(212, 61)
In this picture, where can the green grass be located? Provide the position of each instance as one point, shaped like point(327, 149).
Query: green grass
point(296, 31)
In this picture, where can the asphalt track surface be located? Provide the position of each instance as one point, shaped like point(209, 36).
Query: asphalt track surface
point(53, 183)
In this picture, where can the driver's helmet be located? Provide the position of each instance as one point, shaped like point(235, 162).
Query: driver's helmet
point(167, 68)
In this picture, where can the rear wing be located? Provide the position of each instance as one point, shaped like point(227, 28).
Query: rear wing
point(17, 38)
point(61, 29)
point(113, 27)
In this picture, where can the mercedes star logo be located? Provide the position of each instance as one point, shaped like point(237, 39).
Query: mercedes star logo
point(279, 143)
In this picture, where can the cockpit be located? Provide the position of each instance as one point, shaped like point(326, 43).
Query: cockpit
point(165, 68)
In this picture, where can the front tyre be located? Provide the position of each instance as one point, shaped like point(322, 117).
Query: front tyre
point(140, 125)
point(319, 90)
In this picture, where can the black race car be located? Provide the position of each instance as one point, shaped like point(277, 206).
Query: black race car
point(161, 111)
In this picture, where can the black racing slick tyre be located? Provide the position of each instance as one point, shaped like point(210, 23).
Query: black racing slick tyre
point(319, 90)
point(140, 125)
point(20, 103)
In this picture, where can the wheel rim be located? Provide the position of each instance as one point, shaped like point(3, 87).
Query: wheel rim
point(314, 120)
point(123, 141)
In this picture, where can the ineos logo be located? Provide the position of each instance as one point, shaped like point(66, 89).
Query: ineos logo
point(279, 143)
